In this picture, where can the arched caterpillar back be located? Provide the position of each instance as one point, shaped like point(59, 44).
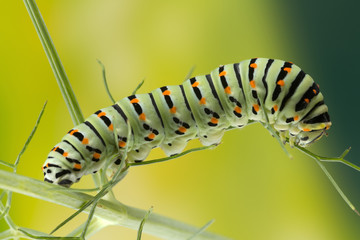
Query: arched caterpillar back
point(258, 89)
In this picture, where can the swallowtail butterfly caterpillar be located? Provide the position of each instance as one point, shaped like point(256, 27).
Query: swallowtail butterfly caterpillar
point(258, 89)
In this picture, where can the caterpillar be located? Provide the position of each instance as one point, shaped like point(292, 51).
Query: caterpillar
point(259, 89)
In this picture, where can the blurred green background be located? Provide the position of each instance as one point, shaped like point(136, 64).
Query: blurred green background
point(247, 184)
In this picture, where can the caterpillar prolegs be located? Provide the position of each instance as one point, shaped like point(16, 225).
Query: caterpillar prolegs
point(270, 91)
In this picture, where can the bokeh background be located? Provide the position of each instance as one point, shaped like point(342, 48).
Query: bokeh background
point(247, 184)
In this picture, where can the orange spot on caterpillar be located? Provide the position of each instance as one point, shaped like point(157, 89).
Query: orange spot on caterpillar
point(281, 82)
point(223, 73)
point(315, 92)
point(237, 109)
point(306, 100)
point(173, 110)
point(166, 93)
point(122, 144)
point(96, 155)
point(296, 118)
point(306, 129)
point(151, 136)
point(214, 120)
point(111, 127)
point(101, 114)
point(77, 166)
point(47, 165)
point(65, 154)
point(42, 168)
point(252, 83)
point(287, 70)
point(256, 107)
point(227, 90)
point(55, 148)
point(195, 84)
point(202, 101)
point(85, 141)
point(182, 129)
point(275, 107)
point(73, 131)
point(142, 116)
point(135, 100)
point(253, 65)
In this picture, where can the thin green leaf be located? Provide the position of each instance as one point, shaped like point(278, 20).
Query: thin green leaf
point(97, 197)
point(336, 186)
point(139, 233)
point(2, 195)
point(7, 164)
point(7, 234)
point(105, 82)
point(5, 211)
point(340, 159)
point(88, 221)
point(171, 157)
point(55, 62)
point(30, 136)
point(57, 67)
point(138, 87)
point(9, 198)
point(7, 218)
point(202, 229)
point(189, 74)
point(39, 235)
point(95, 225)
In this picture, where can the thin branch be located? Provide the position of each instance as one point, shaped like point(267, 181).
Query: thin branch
point(172, 157)
point(115, 213)
point(202, 229)
point(147, 215)
point(105, 82)
point(55, 62)
point(138, 87)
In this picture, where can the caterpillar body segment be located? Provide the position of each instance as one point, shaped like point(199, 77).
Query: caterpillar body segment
point(265, 90)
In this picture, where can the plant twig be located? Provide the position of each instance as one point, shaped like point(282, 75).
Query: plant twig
point(171, 157)
point(105, 82)
point(114, 213)
point(55, 62)
point(320, 159)
point(138, 87)
point(143, 223)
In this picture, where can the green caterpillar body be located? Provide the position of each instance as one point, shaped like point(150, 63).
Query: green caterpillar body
point(204, 107)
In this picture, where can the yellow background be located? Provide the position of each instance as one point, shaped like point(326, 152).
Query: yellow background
point(247, 184)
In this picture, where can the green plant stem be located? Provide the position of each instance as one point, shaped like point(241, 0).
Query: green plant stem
point(7, 218)
point(141, 227)
point(320, 159)
point(105, 82)
point(114, 213)
point(329, 159)
point(95, 225)
point(55, 62)
point(57, 67)
point(7, 234)
point(172, 157)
